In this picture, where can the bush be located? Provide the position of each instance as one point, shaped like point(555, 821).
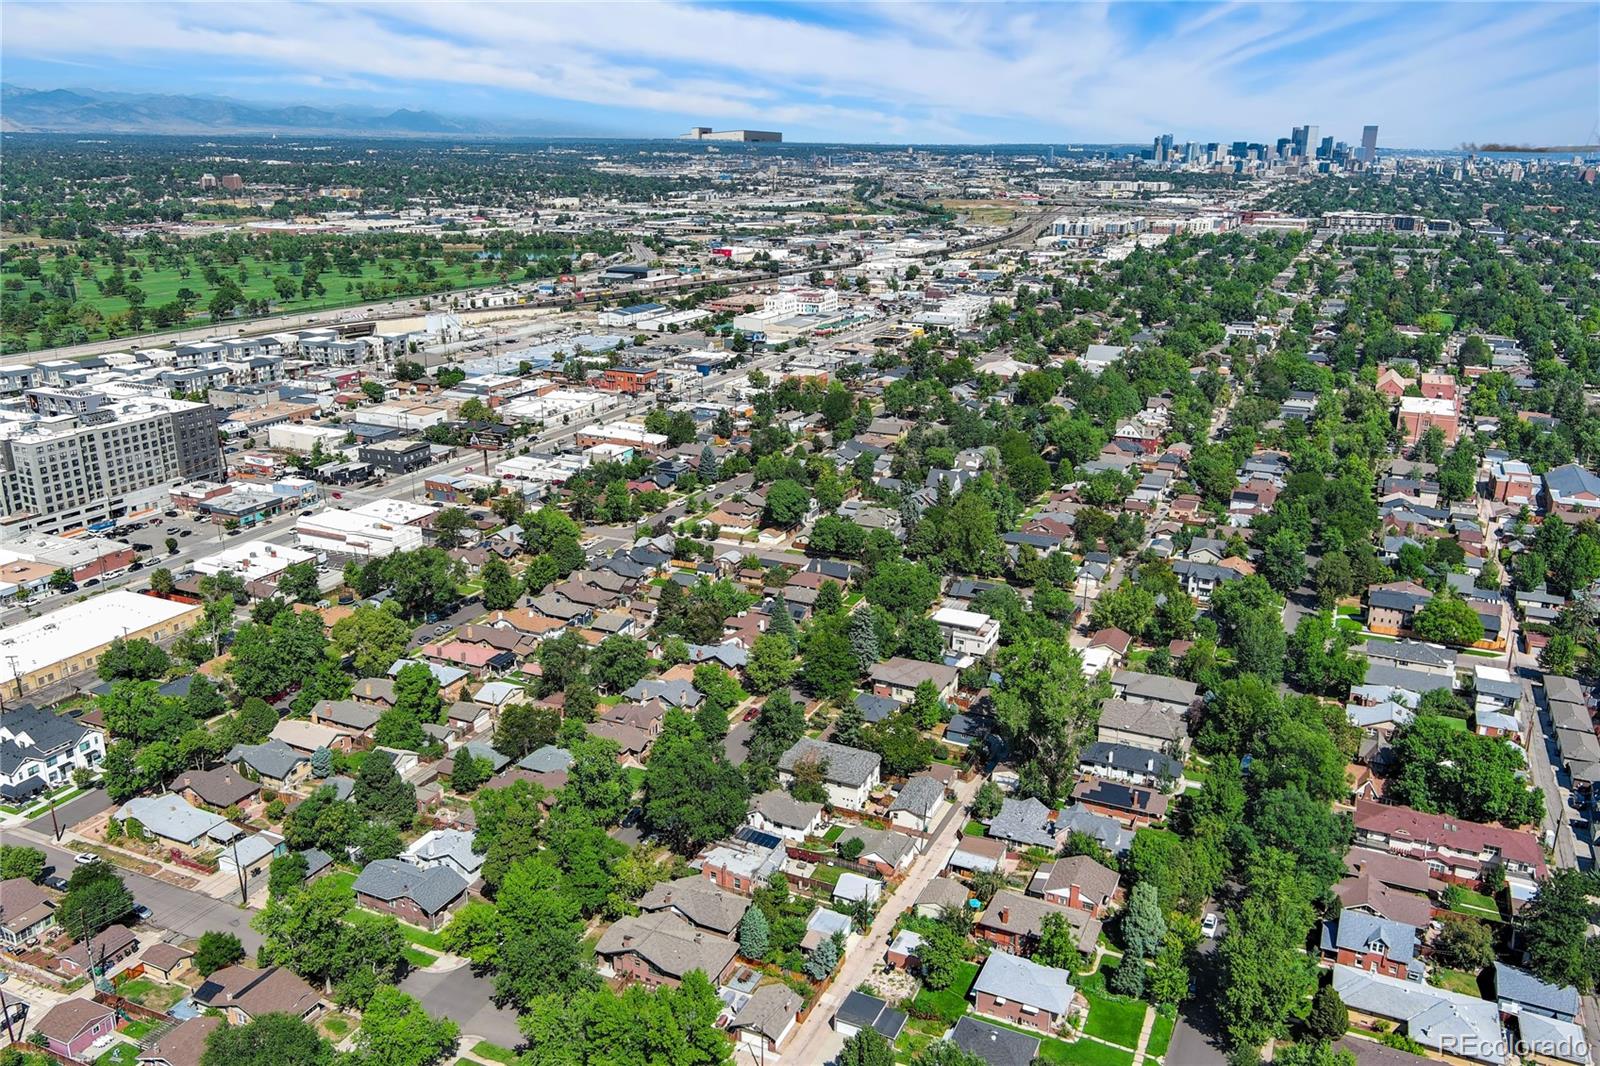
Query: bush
point(851, 849)
point(1128, 978)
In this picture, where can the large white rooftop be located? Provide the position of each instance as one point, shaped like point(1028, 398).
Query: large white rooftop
point(80, 627)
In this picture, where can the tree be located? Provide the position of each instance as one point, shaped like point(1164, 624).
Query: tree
point(786, 504)
point(862, 633)
point(1128, 978)
point(542, 950)
point(1320, 659)
point(824, 957)
point(287, 873)
point(499, 586)
point(691, 793)
point(469, 772)
point(137, 660)
point(708, 468)
point(771, 663)
point(1143, 926)
point(986, 802)
point(161, 580)
point(524, 727)
point(777, 727)
point(829, 666)
point(374, 636)
point(396, 1031)
point(17, 860)
point(1448, 619)
point(416, 690)
point(382, 794)
point(754, 934)
point(1559, 655)
point(95, 899)
point(947, 1053)
point(1058, 942)
point(298, 582)
point(1554, 926)
point(399, 727)
point(270, 1040)
point(217, 949)
point(1264, 974)
point(902, 588)
point(867, 1047)
point(1047, 709)
point(619, 663)
point(1463, 944)
point(1438, 768)
point(1328, 1018)
point(940, 957)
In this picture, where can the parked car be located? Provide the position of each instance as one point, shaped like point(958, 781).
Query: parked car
point(143, 913)
point(1209, 925)
point(83, 858)
point(57, 882)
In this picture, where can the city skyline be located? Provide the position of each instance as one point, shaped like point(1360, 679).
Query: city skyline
point(894, 73)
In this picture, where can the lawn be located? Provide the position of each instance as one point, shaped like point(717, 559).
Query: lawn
point(336, 1026)
point(421, 937)
point(1160, 1035)
point(493, 1052)
point(152, 994)
point(345, 878)
point(420, 959)
point(1082, 1053)
point(1450, 721)
point(975, 828)
point(828, 875)
point(119, 1055)
point(1455, 980)
point(834, 833)
point(950, 1002)
point(138, 1029)
point(1112, 1018)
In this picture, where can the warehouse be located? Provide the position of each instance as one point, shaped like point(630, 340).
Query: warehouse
point(66, 644)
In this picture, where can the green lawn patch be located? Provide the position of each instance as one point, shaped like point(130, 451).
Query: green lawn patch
point(828, 875)
point(421, 937)
point(1450, 721)
point(419, 958)
point(119, 1055)
point(834, 833)
point(1076, 1053)
point(493, 1052)
point(1113, 1018)
point(949, 1002)
point(336, 1026)
point(975, 828)
point(345, 878)
point(138, 1029)
point(1160, 1035)
point(1455, 980)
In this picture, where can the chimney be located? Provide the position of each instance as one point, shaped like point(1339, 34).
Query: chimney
point(1005, 914)
point(627, 940)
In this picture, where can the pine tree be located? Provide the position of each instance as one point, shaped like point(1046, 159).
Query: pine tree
point(321, 763)
point(824, 957)
point(708, 465)
point(863, 637)
point(783, 622)
point(1142, 923)
point(754, 934)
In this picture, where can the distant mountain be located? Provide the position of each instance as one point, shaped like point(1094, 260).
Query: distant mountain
point(25, 110)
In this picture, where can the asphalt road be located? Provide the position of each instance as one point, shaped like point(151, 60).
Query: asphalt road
point(180, 910)
point(466, 999)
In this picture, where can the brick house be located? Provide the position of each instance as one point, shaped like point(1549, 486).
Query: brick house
point(243, 993)
point(661, 948)
point(1012, 922)
point(1022, 992)
point(1377, 945)
point(419, 896)
point(1454, 849)
point(1077, 882)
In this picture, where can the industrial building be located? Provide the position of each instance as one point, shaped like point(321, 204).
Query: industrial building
point(66, 644)
point(706, 133)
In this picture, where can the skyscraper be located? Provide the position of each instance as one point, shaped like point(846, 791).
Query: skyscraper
point(1369, 145)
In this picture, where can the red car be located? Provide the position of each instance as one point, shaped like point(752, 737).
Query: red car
point(338, 495)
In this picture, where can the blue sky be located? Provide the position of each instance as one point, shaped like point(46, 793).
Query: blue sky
point(1430, 75)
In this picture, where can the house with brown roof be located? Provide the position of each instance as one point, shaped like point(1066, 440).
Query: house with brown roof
point(220, 787)
point(243, 993)
point(374, 690)
point(107, 948)
point(71, 1026)
point(1131, 805)
point(699, 902)
point(182, 1045)
point(661, 948)
point(899, 677)
point(26, 911)
point(1454, 848)
point(168, 961)
point(1079, 882)
point(1013, 921)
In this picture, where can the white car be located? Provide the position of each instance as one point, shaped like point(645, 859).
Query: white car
point(1209, 925)
point(83, 858)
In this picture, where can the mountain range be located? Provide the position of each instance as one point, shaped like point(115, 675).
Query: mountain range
point(24, 110)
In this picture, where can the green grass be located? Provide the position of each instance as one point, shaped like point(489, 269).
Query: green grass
point(138, 1029)
point(419, 958)
point(975, 828)
point(343, 877)
point(828, 875)
point(493, 1052)
point(119, 1055)
point(834, 833)
point(160, 285)
point(1081, 1053)
point(1455, 980)
point(1112, 1018)
point(949, 1002)
point(421, 937)
point(1450, 721)
point(1160, 1035)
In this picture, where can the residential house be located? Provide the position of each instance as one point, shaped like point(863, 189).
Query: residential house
point(992, 1044)
point(72, 1026)
point(243, 993)
point(1012, 922)
point(167, 961)
point(1373, 943)
point(701, 903)
point(447, 848)
point(1023, 992)
point(419, 896)
point(42, 749)
point(744, 861)
point(353, 717)
point(1130, 764)
point(1131, 805)
point(861, 1011)
point(307, 737)
point(26, 911)
point(918, 805)
point(1175, 694)
point(1108, 832)
point(885, 850)
point(1024, 823)
point(940, 896)
point(374, 690)
point(102, 952)
point(1572, 492)
point(899, 677)
point(660, 948)
point(977, 855)
point(849, 774)
point(968, 635)
point(1520, 993)
point(273, 763)
point(1466, 1027)
point(1076, 881)
point(767, 1018)
point(779, 813)
point(1454, 848)
point(170, 817)
point(182, 1045)
point(1391, 607)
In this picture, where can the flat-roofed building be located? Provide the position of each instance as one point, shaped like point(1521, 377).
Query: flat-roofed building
point(66, 644)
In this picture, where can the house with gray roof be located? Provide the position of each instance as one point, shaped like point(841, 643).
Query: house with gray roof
point(450, 848)
point(273, 763)
point(661, 948)
point(1572, 489)
point(1519, 992)
point(778, 812)
point(170, 817)
point(697, 901)
point(1374, 943)
point(416, 895)
point(1022, 992)
point(346, 714)
point(849, 774)
point(918, 805)
point(885, 850)
point(547, 759)
point(1025, 823)
point(767, 1017)
point(673, 692)
point(995, 1045)
point(1107, 831)
point(1172, 693)
point(1467, 1027)
point(861, 1011)
point(1130, 764)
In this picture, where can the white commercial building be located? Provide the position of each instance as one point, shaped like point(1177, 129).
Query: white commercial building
point(554, 406)
point(373, 531)
point(66, 643)
point(298, 437)
point(256, 561)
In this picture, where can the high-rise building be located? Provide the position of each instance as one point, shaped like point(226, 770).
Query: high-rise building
point(104, 458)
point(1325, 149)
point(1369, 145)
point(1309, 148)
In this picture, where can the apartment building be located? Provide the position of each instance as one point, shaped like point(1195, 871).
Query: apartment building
point(113, 458)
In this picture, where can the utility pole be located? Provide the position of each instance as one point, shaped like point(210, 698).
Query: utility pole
point(244, 896)
point(5, 1008)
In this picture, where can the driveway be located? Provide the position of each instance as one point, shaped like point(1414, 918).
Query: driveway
point(467, 999)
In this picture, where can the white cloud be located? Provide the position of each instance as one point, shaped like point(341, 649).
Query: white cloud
point(1428, 74)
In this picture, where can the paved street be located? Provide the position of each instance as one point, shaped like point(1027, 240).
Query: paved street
point(465, 998)
point(181, 910)
point(815, 1041)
